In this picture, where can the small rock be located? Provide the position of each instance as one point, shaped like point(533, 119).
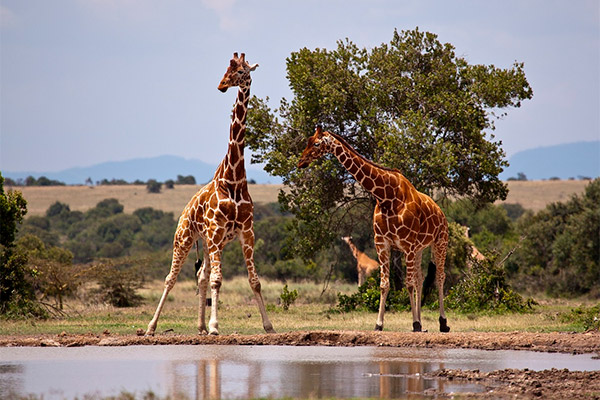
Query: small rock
point(140, 332)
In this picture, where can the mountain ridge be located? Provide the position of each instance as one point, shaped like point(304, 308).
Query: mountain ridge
point(564, 161)
point(161, 168)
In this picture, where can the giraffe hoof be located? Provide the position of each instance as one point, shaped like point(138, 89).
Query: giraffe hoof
point(417, 326)
point(444, 325)
point(214, 333)
point(378, 327)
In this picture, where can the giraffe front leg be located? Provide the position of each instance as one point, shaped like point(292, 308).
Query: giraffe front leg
point(216, 278)
point(383, 252)
point(247, 242)
point(203, 275)
point(181, 248)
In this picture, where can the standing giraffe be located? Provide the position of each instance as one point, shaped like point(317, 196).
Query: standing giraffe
point(404, 219)
point(221, 211)
point(365, 265)
point(476, 255)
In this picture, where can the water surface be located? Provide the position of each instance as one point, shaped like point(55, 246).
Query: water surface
point(231, 372)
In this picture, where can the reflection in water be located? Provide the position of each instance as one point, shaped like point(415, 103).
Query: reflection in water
point(291, 377)
point(224, 372)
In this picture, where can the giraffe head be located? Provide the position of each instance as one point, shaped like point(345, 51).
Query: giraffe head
point(237, 74)
point(318, 144)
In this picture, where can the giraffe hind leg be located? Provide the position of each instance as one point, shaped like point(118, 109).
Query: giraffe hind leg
point(439, 254)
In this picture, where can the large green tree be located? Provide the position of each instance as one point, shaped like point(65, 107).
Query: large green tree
point(17, 297)
point(410, 104)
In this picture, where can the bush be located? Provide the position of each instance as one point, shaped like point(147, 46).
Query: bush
point(485, 289)
point(288, 298)
point(368, 296)
point(153, 186)
point(118, 285)
point(586, 317)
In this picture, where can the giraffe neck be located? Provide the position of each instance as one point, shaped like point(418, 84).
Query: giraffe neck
point(232, 167)
point(372, 177)
point(353, 249)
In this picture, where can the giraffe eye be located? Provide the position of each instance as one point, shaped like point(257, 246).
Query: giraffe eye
point(317, 144)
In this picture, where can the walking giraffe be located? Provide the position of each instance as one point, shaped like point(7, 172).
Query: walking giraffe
point(404, 219)
point(365, 265)
point(221, 211)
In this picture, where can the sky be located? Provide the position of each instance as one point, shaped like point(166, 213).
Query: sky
point(89, 81)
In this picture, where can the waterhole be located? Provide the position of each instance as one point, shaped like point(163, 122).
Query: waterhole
point(232, 372)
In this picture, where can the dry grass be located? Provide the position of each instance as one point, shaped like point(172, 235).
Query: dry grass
point(533, 195)
point(132, 197)
point(239, 314)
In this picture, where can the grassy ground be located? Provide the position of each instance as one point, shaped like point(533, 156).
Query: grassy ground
point(239, 314)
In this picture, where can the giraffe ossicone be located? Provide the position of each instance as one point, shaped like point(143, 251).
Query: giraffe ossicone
point(219, 212)
point(404, 219)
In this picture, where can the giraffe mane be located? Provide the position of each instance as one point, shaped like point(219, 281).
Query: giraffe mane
point(356, 153)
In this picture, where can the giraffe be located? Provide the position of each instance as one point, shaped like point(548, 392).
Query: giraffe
point(404, 219)
point(219, 212)
point(475, 255)
point(365, 265)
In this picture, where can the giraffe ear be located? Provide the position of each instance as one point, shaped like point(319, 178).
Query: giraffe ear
point(253, 67)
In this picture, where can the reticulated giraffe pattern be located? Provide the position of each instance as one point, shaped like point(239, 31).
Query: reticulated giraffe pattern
point(219, 212)
point(404, 219)
point(365, 265)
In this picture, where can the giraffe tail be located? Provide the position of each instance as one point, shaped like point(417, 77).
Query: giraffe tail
point(428, 283)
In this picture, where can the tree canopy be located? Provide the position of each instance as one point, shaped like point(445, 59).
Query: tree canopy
point(410, 104)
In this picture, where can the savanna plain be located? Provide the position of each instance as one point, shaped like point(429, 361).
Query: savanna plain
point(312, 319)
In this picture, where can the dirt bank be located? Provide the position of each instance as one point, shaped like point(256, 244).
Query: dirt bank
point(525, 384)
point(548, 342)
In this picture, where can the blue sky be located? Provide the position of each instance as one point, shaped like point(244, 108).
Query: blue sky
point(89, 81)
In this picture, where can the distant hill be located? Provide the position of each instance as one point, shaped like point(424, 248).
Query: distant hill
point(572, 160)
point(160, 168)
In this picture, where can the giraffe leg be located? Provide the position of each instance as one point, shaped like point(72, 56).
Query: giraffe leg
point(216, 278)
point(383, 252)
point(413, 284)
point(181, 248)
point(203, 275)
point(439, 253)
point(247, 243)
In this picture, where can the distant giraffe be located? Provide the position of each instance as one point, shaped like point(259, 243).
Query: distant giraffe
point(475, 253)
point(221, 211)
point(365, 265)
point(404, 219)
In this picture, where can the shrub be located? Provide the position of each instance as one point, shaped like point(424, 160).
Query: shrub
point(485, 288)
point(367, 298)
point(288, 298)
point(153, 186)
point(118, 286)
point(586, 317)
